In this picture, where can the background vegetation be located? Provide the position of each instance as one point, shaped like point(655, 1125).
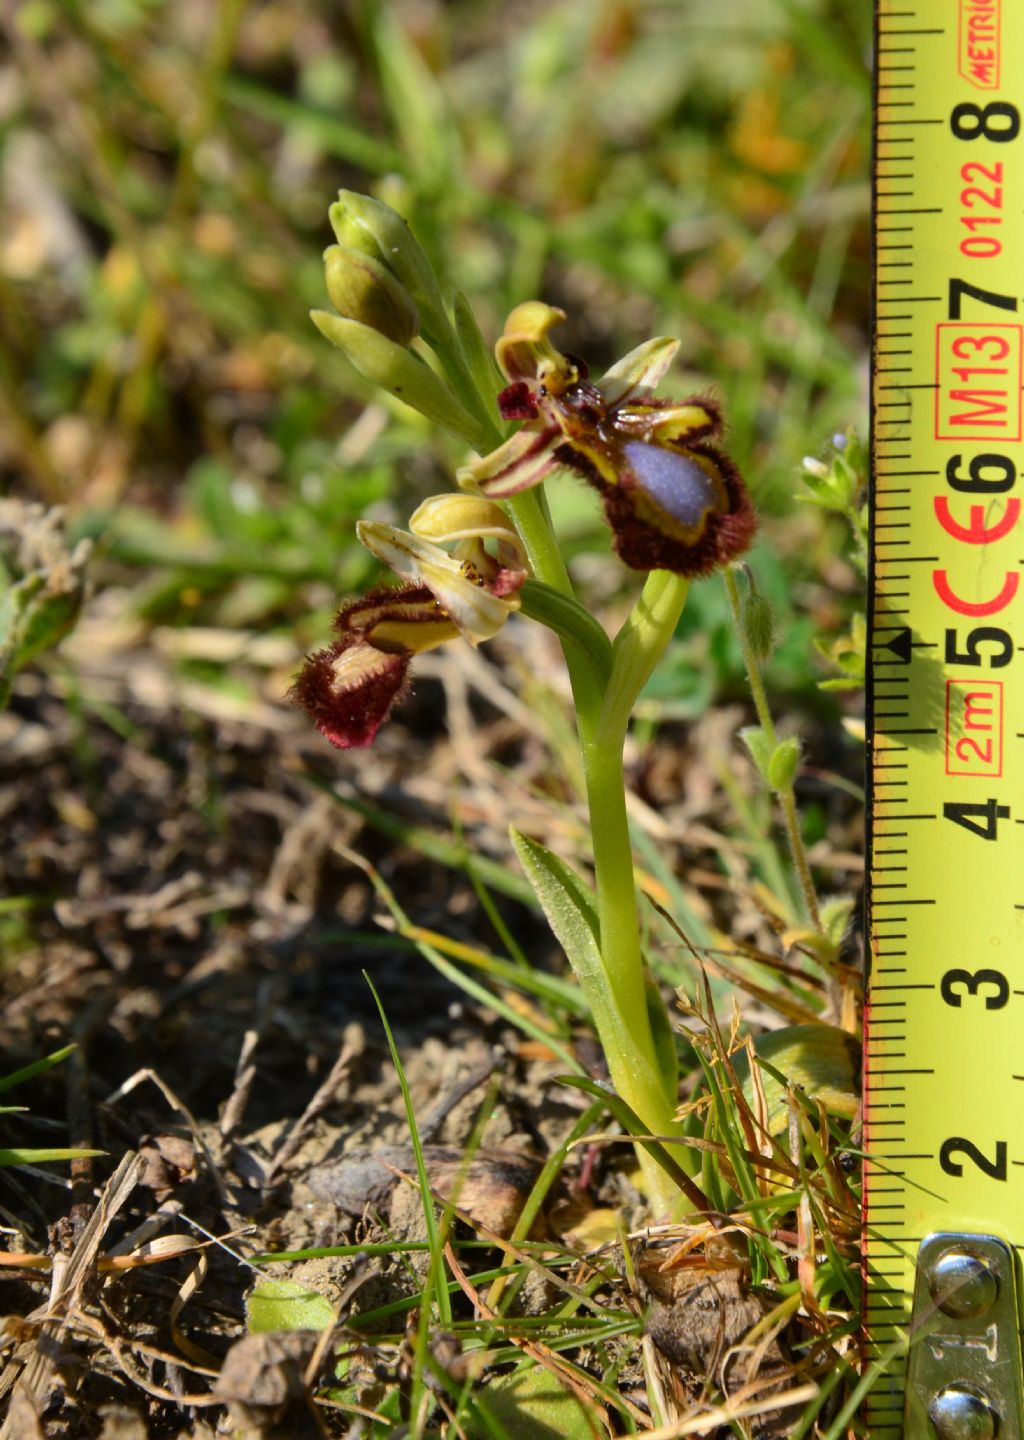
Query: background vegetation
point(653, 167)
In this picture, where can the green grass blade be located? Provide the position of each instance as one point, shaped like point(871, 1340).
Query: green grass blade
point(433, 1235)
point(22, 1156)
point(38, 1067)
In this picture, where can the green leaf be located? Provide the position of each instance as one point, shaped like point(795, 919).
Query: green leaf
point(634, 1126)
point(759, 747)
point(439, 1282)
point(416, 101)
point(476, 354)
point(403, 374)
point(783, 764)
point(434, 846)
point(534, 1405)
point(822, 1060)
point(42, 585)
point(286, 1305)
point(661, 1032)
point(351, 143)
point(571, 912)
point(37, 1067)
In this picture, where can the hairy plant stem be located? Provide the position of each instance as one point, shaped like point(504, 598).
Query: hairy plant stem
point(784, 793)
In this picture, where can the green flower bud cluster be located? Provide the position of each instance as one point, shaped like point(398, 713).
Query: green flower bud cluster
point(776, 760)
point(837, 482)
point(385, 295)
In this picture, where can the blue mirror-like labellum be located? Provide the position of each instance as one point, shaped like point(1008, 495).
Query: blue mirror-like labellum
point(681, 486)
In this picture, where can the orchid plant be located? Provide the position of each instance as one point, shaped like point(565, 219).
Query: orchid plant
point(677, 508)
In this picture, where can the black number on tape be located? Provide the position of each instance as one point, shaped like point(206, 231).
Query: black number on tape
point(958, 1145)
point(970, 980)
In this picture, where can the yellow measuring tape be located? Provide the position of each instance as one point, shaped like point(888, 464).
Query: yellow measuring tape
point(944, 1026)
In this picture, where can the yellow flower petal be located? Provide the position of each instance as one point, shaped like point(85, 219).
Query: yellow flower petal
point(524, 460)
point(447, 518)
point(524, 351)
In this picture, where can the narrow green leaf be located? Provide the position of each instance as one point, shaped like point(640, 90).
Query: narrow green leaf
point(635, 1127)
point(346, 142)
point(476, 353)
point(661, 1032)
point(417, 102)
point(572, 914)
point(37, 1067)
point(23, 1156)
point(438, 1278)
point(434, 846)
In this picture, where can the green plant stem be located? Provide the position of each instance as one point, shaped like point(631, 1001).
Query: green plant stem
point(631, 1051)
point(602, 715)
point(785, 793)
point(547, 564)
point(627, 1038)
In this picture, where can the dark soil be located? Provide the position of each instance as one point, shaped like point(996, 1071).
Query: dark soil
point(192, 913)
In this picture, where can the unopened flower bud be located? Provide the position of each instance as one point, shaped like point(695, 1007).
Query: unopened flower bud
point(783, 764)
point(352, 233)
point(363, 289)
point(402, 373)
point(374, 229)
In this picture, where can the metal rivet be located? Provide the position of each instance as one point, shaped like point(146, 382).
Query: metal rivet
point(962, 1284)
point(957, 1413)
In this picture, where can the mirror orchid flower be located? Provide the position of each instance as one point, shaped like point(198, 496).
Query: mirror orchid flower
point(674, 500)
point(349, 687)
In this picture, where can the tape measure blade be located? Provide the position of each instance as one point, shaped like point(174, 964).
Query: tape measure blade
point(943, 1075)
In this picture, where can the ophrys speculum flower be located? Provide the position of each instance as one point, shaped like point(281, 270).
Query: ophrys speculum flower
point(349, 687)
point(674, 500)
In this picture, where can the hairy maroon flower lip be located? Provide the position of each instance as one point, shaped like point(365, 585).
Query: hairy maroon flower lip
point(647, 536)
